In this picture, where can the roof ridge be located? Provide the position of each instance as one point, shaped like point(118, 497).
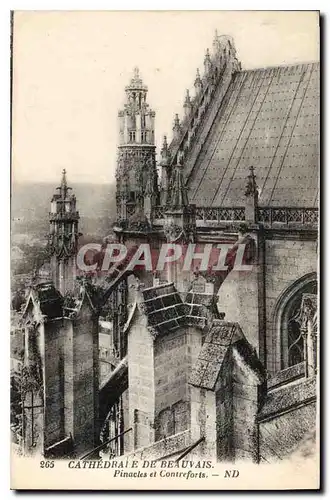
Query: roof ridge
point(279, 66)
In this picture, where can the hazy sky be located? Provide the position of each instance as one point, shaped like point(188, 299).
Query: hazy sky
point(70, 70)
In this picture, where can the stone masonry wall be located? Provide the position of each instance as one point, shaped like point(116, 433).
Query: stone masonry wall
point(280, 436)
point(159, 394)
point(238, 299)
point(68, 377)
point(85, 374)
point(168, 447)
point(224, 414)
point(141, 384)
point(175, 354)
point(54, 428)
point(171, 366)
point(286, 261)
point(245, 409)
point(203, 423)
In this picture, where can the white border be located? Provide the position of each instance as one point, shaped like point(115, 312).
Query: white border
point(5, 7)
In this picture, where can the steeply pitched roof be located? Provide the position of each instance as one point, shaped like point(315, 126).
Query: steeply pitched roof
point(199, 307)
point(269, 118)
point(207, 367)
point(49, 300)
point(164, 307)
point(166, 310)
point(222, 336)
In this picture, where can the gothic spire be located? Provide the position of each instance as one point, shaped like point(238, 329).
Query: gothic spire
point(165, 145)
point(198, 83)
point(176, 127)
point(136, 83)
point(164, 151)
point(64, 185)
point(198, 79)
point(136, 152)
point(176, 121)
point(187, 104)
point(207, 61)
point(187, 98)
point(63, 188)
point(63, 236)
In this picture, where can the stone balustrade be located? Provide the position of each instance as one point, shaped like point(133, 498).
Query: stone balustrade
point(268, 216)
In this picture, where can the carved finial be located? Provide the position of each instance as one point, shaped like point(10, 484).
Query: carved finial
point(63, 188)
point(136, 73)
point(198, 82)
point(164, 151)
point(136, 82)
point(176, 121)
point(187, 104)
point(216, 40)
point(251, 186)
point(187, 101)
point(207, 61)
point(227, 52)
point(63, 182)
point(176, 128)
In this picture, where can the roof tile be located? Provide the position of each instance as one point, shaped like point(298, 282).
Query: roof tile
point(269, 118)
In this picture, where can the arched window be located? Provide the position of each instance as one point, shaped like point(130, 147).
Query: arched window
point(291, 335)
point(289, 342)
point(132, 136)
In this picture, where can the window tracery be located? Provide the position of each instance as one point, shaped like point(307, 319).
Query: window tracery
point(292, 341)
point(288, 342)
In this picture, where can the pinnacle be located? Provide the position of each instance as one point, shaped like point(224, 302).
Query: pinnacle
point(136, 73)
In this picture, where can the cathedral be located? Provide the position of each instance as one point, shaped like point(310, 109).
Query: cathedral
point(218, 363)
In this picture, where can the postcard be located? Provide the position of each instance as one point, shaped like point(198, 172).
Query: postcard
point(164, 250)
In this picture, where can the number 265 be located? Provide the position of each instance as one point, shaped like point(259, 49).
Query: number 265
point(47, 464)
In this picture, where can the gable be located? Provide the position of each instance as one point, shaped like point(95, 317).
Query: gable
point(219, 339)
point(44, 300)
point(223, 338)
